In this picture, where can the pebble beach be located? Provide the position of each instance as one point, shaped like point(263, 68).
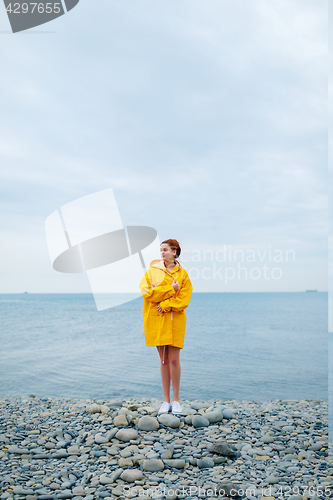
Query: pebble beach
point(117, 449)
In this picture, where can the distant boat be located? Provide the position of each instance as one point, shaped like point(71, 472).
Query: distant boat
point(311, 290)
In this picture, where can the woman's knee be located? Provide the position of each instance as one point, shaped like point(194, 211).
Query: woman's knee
point(174, 360)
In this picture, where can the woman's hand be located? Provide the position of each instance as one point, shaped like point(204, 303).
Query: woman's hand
point(175, 285)
point(159, 308)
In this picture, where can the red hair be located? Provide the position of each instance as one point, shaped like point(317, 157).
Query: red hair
point(173, 244)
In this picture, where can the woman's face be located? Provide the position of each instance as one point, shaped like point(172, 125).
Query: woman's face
point(167, 253)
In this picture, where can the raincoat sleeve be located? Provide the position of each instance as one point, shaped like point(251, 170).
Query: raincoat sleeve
point(157, 293)
point(181, 301)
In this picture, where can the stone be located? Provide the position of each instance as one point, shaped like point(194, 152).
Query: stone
point(111, 434)
point(214, 416)
point(49, 446)
point(59, 454)
point(73, 450)
point(104, 409)
point(116, 402)
point(120, 420)
point(316, 447)
point(168, 452)
point(198, 406)
point(222, 448)
point(17, 450)
point(228, 489)
point(272, 479)
point(228, 414)
point(204, 463)
point(147, 423)
point(188, 419)
point(153, 465)
point(169, 420)
point(200, 421)
point(131, 475)
point(62, 494)
point(78, 490)
point(104, 479)
point(94, 408)
point(126, 434)
point(99, 439)
point(19, 490)
point(125, 462)
point(266, 439)
point(175, 463)
point(114, 476)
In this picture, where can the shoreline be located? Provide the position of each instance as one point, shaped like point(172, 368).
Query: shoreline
point(98, 448)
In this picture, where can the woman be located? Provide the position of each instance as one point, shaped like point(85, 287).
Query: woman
point(166, 289)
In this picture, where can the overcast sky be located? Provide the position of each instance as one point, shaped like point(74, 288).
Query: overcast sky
point(207, 118)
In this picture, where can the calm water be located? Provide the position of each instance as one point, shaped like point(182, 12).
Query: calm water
point(238, 345)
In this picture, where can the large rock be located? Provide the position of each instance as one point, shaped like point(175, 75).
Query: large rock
point(78, 490)
point(198, 406)
point(131, 475)
point(167, 454)
point(204, 463)
point(16, 449)
point(224, 449)
point(104, 409)
point(200, 421)
point(115, 474)
point(59, 454)
point(147, 423)
point(272, 479)
point(266, 439)
point(93, 408)
point(214, 416)
point(228, 414)
point(120, 420)
point(169, 420)
point(99, 439)
point(104, 479)
point(153, 465)
point(125, 462)
point(115, 402)
point(73, 450)
point(126, 434)
point(188, 419)
point(175, 463)
point(111, 434)
point(20, 490)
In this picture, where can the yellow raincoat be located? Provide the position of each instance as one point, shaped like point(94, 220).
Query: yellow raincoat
point(168, 327)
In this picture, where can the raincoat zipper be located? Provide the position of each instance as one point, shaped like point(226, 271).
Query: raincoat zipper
point(160, 268)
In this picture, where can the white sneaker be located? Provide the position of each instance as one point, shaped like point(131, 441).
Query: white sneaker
point(165, 407)
point(176, 408)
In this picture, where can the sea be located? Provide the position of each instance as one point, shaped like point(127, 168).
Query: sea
point(247, 346)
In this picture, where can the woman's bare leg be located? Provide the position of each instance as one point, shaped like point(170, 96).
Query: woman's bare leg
point(163, 351)
point(175, 370)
